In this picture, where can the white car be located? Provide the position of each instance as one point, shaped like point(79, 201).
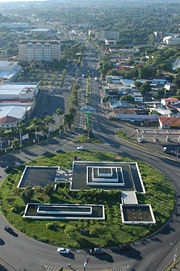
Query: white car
point(81, 148)
point(63, 250)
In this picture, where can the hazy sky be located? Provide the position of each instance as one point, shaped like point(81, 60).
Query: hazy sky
point(5, 1)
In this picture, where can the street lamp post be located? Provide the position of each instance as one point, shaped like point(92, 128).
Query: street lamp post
point(88, 110)
point(175, 257)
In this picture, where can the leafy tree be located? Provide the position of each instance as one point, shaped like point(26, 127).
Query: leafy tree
point(15, 143)
point(96, 229)
point(145, 88)
point(128, 98)
point(138, 84)
point(176, 81)
point(71, 231)
point(68, 120)
point(59, 111)
point(27, 194)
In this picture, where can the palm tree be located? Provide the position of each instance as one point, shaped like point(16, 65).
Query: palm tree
point(59, 111)
point(49, 121)
point(20, 128)
point(68, 120)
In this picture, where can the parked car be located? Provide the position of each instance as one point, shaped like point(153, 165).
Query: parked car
point(8, 229)
point(63, 250)
point(8, 169)
point(124, 246)
point(96, 251)
point(81, 148)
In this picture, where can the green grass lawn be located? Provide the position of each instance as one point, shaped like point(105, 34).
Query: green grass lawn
point(85, 139)
point(110, 232)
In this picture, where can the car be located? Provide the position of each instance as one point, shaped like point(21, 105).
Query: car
point(58, 151)
point(124, 246)
point(81, 148)
point(96, 251)
point(8, 229)
point(1, 242)
point(63, 250)
point(8, 169)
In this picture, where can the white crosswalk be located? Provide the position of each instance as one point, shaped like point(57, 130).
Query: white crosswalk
point(51, 268)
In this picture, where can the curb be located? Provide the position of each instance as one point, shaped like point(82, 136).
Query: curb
point(145, 149)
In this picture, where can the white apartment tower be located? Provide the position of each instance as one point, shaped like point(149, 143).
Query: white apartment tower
point(39, 50)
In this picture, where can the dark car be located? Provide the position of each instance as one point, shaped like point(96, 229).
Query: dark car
point(8, 169)
point(96, 251)
point(124, 246)
point(8, 229)
point(1, 242)
point(59, 151)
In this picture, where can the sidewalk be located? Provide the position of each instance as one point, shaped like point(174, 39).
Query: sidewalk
point(174, 266)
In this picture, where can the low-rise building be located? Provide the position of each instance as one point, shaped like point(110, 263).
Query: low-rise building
point(170, 40)
point(112, 79)
point(133, 115)
point(169, 122)
point(127, 83)
point(119, 104)
point(17, 91)
point(169, 101)
point(9, 70)
point(110, 42)
point(16, 101)
point(11, 115)
point(137, 96)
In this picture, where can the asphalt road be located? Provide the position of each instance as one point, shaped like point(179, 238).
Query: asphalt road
point(153, 253)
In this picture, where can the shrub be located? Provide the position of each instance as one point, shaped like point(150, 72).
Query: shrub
point(27, 194)
point(13, 209)
point(48, 189)
point(51, 226)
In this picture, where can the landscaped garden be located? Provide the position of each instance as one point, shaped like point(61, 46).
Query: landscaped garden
point(68, 233)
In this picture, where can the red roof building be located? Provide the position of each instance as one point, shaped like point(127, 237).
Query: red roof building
point(169, 122)
point(169, 101)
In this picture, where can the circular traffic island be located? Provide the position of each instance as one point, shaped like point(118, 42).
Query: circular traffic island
point(86, 199)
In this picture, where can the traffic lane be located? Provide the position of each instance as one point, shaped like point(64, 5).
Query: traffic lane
point(18, 251)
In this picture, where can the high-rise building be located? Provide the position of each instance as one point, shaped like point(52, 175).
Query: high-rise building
point(39, 50)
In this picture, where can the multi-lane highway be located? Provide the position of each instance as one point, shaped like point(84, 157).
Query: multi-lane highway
point(153, 253)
